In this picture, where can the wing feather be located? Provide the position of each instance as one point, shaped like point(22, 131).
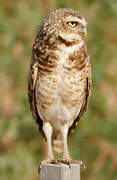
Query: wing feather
point(87, 91)
point(31, 92)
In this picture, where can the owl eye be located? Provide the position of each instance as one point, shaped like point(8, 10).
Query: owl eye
point(72, 24)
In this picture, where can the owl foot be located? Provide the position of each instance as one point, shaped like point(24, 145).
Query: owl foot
point(46, 161)
point(82, 165)
point(60, 161)
point(69, 162)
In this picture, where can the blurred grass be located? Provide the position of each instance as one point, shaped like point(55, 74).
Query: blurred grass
point(95, 140)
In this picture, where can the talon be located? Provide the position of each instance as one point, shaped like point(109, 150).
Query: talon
point(67, 162)
point(83, 165)
point(69, 165)
point(39, 170)
point(40, 166)
point(46, 161)
point(54, 161)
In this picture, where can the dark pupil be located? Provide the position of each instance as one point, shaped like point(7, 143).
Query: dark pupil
point(72, 22)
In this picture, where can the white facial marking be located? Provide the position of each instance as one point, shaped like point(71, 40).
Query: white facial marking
point(82, 21)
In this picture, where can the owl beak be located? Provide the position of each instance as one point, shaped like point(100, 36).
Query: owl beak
point(85, 34)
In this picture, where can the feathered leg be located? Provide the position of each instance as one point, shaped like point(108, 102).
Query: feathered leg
point(64, 133)
point(47, 128)
point(66, 157)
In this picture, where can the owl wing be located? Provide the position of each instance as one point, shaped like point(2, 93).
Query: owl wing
point(87, 92)
point(31, 91)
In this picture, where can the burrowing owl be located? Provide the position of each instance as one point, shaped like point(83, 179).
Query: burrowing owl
point(59, 78)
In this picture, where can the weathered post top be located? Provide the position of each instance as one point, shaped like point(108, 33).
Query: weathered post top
point(60, 172)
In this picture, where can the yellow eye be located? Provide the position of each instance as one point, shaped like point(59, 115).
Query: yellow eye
point(72, 24)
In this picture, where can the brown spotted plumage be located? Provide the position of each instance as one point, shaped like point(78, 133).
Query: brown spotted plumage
point(59, 78)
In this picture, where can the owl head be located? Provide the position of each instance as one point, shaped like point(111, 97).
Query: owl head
point(73, 26)
point(67, 24)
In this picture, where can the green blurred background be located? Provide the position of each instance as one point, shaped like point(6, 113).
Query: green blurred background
point(95, 140)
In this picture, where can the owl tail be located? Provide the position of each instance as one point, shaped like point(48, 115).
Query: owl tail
point(57, 144)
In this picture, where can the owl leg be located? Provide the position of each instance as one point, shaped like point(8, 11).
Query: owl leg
point(47, 128)
point(66, 157)
point(64, 133)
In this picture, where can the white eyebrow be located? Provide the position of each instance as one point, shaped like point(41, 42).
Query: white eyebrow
point(82, 21)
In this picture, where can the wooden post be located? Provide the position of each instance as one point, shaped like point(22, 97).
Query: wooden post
point(60, 172)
